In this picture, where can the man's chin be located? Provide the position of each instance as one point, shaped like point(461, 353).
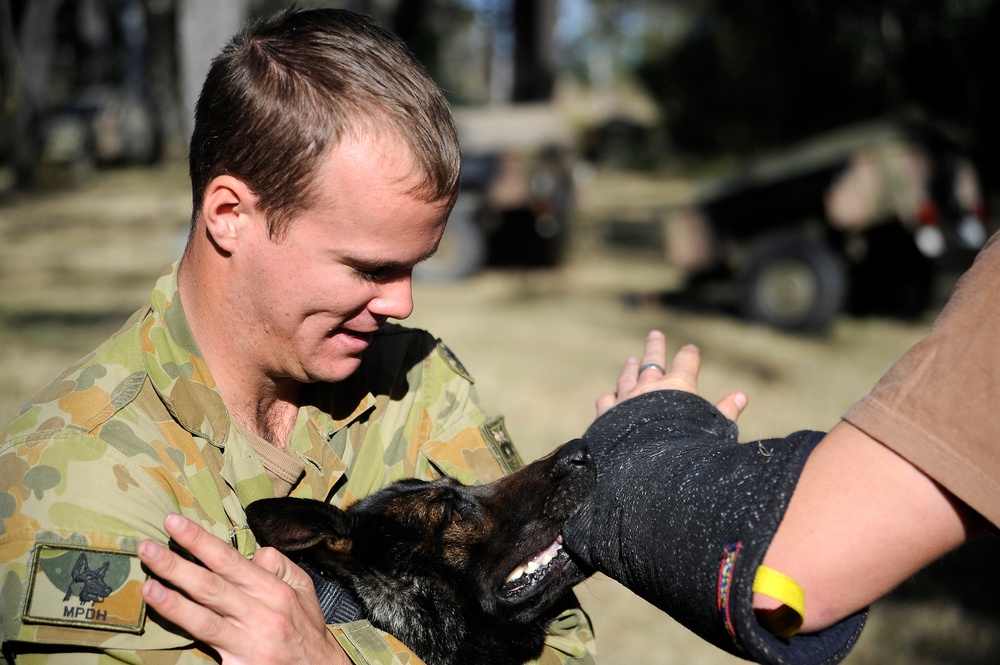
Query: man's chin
point(335, 372)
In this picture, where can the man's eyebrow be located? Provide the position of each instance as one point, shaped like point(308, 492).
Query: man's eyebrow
point(372, 264)
point(377, 263)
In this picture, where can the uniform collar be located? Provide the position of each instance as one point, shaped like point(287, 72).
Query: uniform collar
point(176, 368)
point(182, 379)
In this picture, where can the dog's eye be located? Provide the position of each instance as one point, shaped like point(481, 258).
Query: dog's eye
point(455, 515)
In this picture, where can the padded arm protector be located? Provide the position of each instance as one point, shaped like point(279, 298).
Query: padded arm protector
point(683, 513)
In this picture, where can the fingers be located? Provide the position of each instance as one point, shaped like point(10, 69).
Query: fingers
point(283, 569)
point(605, 402)
point(216, 555)
point(628, 376)
point(207, 595)
point(732, 405)
point(651, 373)
point(200, 622)
point(683, 374)
point(260, 611)
point(654, 356)
point(203, 623)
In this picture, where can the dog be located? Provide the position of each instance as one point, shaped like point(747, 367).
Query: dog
point(460, 574)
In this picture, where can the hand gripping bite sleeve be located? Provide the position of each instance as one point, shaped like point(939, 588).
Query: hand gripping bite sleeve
point(682, 515)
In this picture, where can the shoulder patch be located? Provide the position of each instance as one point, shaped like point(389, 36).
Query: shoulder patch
point(453, 362)
point(495, 433)
point(85, 588)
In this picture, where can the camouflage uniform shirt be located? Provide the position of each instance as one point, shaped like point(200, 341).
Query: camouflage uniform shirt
point(137, 430)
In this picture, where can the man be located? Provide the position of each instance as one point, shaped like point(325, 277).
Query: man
point(324, 164)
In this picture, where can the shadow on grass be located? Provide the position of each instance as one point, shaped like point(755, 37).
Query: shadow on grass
point(969, 576)
point(947, 613)
point(25, 321)
point(72, 332)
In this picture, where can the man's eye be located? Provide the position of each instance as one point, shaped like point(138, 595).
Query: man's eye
point(381, 275)
point(377, 275)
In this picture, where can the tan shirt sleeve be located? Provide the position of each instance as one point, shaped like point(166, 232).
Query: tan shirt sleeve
point(939, 405)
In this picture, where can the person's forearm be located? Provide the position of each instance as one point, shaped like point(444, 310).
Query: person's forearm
point(861, 521)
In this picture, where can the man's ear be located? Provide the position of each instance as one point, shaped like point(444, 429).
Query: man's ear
point(227, 208)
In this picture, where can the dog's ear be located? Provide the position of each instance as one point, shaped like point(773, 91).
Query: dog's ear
point(290, 525)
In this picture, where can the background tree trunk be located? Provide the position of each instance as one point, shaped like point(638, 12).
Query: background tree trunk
point(534, 60)
point(36, 47)
point(203, 28)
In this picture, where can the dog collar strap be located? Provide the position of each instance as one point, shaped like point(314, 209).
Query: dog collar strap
point(338, 604)
point(783, 621)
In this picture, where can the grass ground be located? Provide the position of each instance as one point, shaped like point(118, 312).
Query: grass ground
point(541, 344)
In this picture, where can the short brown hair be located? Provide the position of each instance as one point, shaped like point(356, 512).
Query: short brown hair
point(285, 90)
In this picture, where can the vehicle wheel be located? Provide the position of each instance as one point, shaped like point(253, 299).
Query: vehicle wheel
point(793, 283)
point(462, 251)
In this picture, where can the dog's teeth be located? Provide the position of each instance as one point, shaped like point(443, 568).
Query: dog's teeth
point(516, 573)
point(550, 554)
point(540, 560)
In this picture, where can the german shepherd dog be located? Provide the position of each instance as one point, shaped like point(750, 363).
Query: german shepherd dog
point(460, 574)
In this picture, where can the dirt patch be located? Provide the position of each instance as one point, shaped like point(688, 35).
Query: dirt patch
point(542, 346)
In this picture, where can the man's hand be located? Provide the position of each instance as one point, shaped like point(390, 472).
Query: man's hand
point(259, 611)
point(681, 375)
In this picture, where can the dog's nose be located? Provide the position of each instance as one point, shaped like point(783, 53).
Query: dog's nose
point(574, 453)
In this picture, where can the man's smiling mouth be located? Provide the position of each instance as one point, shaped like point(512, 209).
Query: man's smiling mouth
point(353, 335)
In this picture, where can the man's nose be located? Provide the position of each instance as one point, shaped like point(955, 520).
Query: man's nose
point(394, 299)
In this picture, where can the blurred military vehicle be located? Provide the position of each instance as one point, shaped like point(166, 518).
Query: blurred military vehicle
point(516, 196)
point(861, 220)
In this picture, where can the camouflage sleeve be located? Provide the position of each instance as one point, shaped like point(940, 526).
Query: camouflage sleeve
point(73, 511)
point(366, 645)
point(570, 639)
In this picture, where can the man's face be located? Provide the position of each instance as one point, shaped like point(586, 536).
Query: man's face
point(315, 297)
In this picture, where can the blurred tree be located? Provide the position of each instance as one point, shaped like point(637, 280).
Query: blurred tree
point(8, 74)
point(534, 61)
point(601, 40)
point(430, 27)
point(515, 43)
point(36, 47)
point(76, 84)
point(753, 74)
point(202, 29)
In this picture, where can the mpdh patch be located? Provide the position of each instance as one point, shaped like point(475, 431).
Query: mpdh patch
point(85, 588)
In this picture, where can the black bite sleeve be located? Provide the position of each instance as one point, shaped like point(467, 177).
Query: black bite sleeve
point(683, 513)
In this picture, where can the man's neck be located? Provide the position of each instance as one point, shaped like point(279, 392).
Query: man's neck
point(272, 420)
point(259, 403)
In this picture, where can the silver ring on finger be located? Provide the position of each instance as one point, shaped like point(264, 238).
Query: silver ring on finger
point(652, 366)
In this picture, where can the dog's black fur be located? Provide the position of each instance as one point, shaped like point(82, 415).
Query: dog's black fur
point(430, 561)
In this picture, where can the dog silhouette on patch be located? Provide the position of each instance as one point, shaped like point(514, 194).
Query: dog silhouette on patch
point(94, 589)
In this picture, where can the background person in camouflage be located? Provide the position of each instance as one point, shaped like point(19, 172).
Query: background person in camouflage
point(324, 164)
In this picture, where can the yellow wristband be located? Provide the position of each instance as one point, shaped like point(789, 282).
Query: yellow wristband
point(786, 620)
